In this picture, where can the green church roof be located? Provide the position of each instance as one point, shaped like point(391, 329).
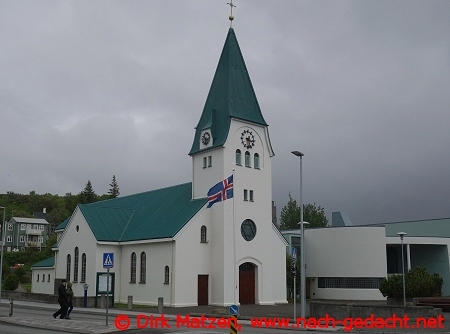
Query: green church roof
point(150, 215)
point(231, 96)
point(48, 263)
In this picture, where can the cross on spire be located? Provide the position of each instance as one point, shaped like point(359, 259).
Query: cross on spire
point(231, 17)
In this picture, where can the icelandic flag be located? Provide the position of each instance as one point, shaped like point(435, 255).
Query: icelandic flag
point(221, 191)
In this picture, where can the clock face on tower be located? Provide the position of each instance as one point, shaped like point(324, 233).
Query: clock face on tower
point(247, 139)
point(206, 137)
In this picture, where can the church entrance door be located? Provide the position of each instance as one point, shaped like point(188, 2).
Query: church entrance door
point(247, 283)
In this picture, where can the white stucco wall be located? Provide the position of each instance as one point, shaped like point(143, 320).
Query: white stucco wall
point(192, 258)
point(345, 252)
point(46, 286)
point(86, 243)
point(158, 255)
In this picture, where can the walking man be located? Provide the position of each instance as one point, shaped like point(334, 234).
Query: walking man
point(62, 300)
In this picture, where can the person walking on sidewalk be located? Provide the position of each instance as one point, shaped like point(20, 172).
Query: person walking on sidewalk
point(69, 294)
point(62, 300)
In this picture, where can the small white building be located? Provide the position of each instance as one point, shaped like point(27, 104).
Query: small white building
point(43, 277)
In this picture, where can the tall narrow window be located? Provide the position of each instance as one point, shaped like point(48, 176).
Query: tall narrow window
point(205, 162)
point(48, 280)
point(75, 265)
point(251, 195)
point(69, 264)
point(43, 277)
point(83, 267)
point(256, 161)
point(133, 268)
point(166, 275)
point(203, 233)
point(238, 157)
point(37, 280)
point(247, 159)
point(245, 195)
point(143, 267)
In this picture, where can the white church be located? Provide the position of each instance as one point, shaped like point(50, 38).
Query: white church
point(167, 242)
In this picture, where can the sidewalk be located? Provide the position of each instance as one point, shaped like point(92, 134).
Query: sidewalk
point(170, 313)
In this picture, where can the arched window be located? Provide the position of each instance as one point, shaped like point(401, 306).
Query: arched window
point(43, 277)
point(238, 157)
point(37, 278)
point(256, 161)
point(247, 159)
point(166, 275)
point(75, 265)
point(143, 267)
point(133, 268)
point(83, 267)
point(203, 234)
point(69, 264)
point(48, 280)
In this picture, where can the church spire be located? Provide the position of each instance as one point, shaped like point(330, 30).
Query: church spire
point(231, 96)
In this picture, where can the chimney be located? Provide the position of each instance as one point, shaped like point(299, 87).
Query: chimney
point(44, 210)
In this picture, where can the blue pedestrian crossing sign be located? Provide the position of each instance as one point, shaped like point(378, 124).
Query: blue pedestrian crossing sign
point(108, 260)
point(294, 254)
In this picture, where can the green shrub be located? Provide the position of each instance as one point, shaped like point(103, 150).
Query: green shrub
point(392, 286)
point(11, 282)
point(418, 283)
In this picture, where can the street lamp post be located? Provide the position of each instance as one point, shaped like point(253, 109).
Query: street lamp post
point(302, 245)
point(1, 256)
point(401, 235)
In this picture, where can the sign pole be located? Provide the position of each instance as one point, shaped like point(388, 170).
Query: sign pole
point(108, 263)
point(107, 294)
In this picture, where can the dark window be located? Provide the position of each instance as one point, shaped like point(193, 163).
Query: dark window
point(238, 157)
point(166, 275)
point(69, 264)
point(143, 267)
point(133, 268)
point(83, 267)
point(349, 282)
point(203, 234)
point(247, 159)
point(256, 161)
point(75, 265)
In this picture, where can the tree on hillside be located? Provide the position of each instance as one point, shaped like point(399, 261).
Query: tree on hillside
point(114, 190)
point(88, 194)
point(290, 215)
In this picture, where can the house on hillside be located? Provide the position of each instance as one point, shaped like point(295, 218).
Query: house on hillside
point(21, 233)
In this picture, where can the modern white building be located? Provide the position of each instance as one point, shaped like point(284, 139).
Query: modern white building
point(347, 262)
point(167, 242)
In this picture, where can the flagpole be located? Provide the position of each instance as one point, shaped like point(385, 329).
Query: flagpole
point(234, 241)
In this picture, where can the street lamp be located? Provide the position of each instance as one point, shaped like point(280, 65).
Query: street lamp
point(302, 245)
point(401, 235)
point(1, 256)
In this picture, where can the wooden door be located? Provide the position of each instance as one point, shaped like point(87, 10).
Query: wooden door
point(202, 293)
point(247, 283)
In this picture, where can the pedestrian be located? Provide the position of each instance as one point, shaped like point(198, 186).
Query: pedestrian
point(69, 294)
point(62, 300)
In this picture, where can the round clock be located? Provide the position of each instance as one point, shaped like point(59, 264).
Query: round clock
point(206, 137)
point(248, 229)
point(247, 139)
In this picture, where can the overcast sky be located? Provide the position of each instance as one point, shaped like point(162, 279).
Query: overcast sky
point(89, 89)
